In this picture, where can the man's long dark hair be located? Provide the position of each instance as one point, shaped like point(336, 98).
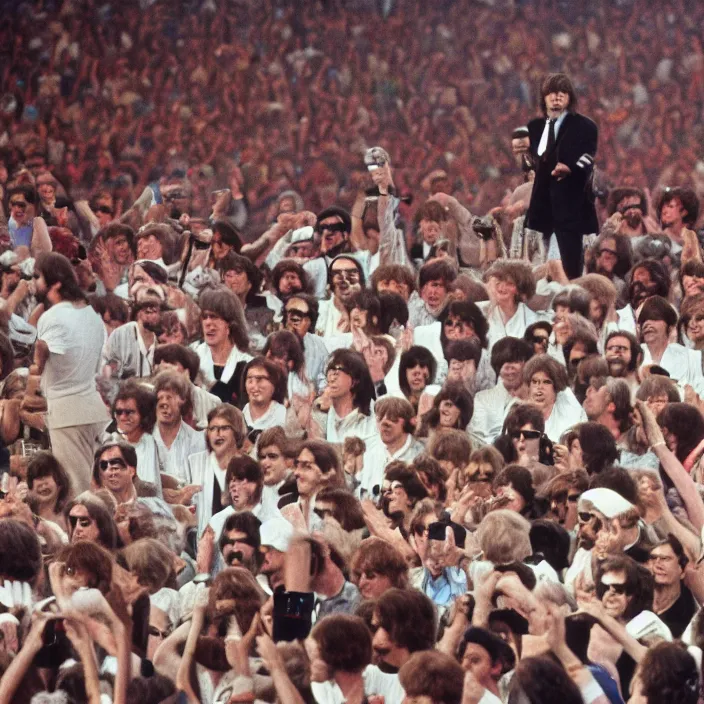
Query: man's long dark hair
point(55, 268)
point(558, 83)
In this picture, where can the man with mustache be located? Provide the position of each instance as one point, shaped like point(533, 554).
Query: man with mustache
point(622, 353)
point(346, 278)
point(130, 348)
point(628, 213)
point(647, 278)
point(240, 541)
point(657, 320)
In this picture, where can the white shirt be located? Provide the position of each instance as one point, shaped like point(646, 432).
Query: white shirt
point(377, 457)
point(514, 327)
point(148, 461)
point(275, 415)
point(329, 317)
point(354, 424)
point(206, 362)
point(543, 145)
point(683, 365)
point(75, 337)
point(565, 413)
point(175, 458)
point(491, 407)
point(375, 682)
point(126, 348)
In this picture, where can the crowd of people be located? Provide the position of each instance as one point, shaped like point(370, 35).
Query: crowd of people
point(283, 419)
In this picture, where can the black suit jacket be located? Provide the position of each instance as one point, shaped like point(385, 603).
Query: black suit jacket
point(564, 206)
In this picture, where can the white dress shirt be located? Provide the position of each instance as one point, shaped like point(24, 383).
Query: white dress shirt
point(175, 458)
point(491, 407)
point(565, 413)
point(377, 457)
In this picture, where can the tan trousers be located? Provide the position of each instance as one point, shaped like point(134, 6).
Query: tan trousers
point(74, 447)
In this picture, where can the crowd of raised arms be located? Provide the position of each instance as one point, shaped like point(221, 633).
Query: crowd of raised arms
point(350, 354)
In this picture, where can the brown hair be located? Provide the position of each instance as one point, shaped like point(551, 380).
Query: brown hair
point(92, 560)
point(234, 417)
point(345, 642)
point(376, 555)
point(433, 674)
point(152, 563)
point(173, 381)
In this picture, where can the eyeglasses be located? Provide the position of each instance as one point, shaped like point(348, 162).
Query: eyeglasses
point(349, 274)
point(525, 434)
point(124, 412)
point(219, 428)
point(336, 369)
point(617, 348)
point(18, 204)
point(602, 588)
point(295, 315)
point(114, 462)
point(83, 521)
point(332, 227)
point(585, 516)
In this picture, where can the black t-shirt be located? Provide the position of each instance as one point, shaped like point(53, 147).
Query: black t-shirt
point(678, 616)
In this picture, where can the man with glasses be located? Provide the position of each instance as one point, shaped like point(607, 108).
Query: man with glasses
point(130, 348)
point(538, 335)
point(333, 227)
point(300, 316)
point(115, 469)
point(346, 279)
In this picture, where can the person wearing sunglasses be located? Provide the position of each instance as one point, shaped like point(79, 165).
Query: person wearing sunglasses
point(89, 519)
point(25, 228)
point(346, 279)
point(538, 335)
point(300, 316)
point(115, 469)
point(134, 414)
point(625, 591)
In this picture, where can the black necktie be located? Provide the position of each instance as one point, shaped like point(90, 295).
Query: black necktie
point(551, 136)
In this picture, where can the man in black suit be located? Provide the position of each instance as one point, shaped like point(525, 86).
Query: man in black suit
point(563, 146)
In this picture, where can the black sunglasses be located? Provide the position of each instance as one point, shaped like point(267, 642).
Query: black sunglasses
point(539, 340)
point(296, 315)
point(334, 227)
point(527, 434)
point(104, 209)
point(117, 462)
point(602, 588)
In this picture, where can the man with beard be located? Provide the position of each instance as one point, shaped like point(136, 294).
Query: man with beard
point(130, 348)
point(71, 336)
point(622, 354)
point(628, 213)
point(647, 278)
point(657, 320)
point(346, 278)
point(240, 542)
point(611, 256)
